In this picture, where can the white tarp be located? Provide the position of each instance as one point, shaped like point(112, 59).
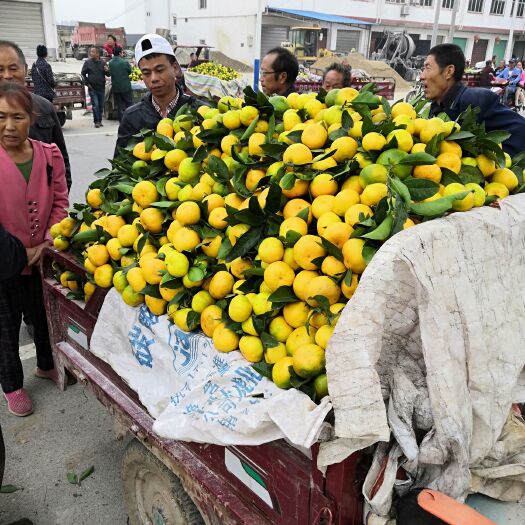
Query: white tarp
point(194, 392)
point(437, 328)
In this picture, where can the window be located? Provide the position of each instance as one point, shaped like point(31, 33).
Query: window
point(448, 4)
point(202, 4)
point(521, 8)
point(174, 20)
point(396, 1)
point(497, 7)
point(425, 3)
point(475, 6)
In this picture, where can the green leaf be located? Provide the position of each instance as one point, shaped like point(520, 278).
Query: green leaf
point(291, 238)
point(200, 154)
point(225, 248)
point(448, 177)
point(168, 281)
point(192, 320)
point(274, 150)
point(461, 135)
point(271, 128)
point(86, 473)
point(162, 142)
point(124, 188)
point(346, 121)
point(295, 380)
point(263, 368)
point(245, 243)
point(217, 167)
point(332, 249)
point(498, 136)
point(417, 159)
point(421, 189)
point(250, 129)
point(148, 143)
point(8, 489)
point(383, 231)
point(164, 204)
point(151, 289)
point(368, 252)
point(283, 294)
point(288, 181)
point(273, 199)
point(433, 146)
point(102, 173)
point(268, 340)
point(72, 478)
point(348, 277)
point(399, 187)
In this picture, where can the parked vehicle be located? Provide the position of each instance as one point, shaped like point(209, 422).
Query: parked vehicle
point(87, 34)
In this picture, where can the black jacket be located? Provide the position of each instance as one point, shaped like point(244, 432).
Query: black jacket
point(144, 115)
point(13, 258)
point(495, 115)
point(46, 128)
point(94, 74)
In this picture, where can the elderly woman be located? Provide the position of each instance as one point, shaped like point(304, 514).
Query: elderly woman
point(33, 197)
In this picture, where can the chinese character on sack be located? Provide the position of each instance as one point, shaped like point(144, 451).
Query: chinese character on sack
point(226, 405)
point(229, 422)
point(210, 388)
point(177, 397)
point(221, 365)
point(210, 416)
point(192, 408)
point(140, 346)
point(146, 318)
point(249, 374)
point(242, 387)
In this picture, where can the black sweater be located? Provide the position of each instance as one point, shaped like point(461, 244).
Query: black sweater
point(13, 256)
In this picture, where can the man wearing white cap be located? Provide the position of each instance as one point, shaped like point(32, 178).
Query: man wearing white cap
point(160, 71)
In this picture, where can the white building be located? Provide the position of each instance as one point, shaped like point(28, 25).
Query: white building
point(482, 27)
point(147, 16)
point(29, 24)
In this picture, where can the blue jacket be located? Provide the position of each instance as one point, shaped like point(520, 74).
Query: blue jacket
point(495, 115)
point(510, 74)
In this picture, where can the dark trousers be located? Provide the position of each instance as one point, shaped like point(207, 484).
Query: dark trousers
point(22, 295)
point(123, 101)
point(97, 102)
point(2, 456)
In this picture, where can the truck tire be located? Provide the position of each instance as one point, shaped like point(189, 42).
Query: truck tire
point(153, 494)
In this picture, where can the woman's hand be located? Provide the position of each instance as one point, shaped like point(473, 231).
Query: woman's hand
point(37, 253)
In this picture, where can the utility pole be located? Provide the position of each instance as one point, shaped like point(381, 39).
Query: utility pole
point(452, 27)
point(437, 12)
point(257, 46)
point(510, 42)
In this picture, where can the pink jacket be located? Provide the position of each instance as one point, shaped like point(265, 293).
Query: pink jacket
point(28, 210)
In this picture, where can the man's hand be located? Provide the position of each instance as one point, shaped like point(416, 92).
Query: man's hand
point(37, 254)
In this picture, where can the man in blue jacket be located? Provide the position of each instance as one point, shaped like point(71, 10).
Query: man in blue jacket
point(441, 77)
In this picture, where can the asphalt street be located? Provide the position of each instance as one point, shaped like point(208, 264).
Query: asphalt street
point(69, 431)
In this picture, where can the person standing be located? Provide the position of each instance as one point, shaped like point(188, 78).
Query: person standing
point(42, 75)
point(487, 75)
point(279, 69)
point(94, 72)
point(110, 45)
point(45, 126)
point(156, 60)
point(120, 70)
point(37, 199)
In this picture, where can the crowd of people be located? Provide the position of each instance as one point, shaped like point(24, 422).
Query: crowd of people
point(511, 75)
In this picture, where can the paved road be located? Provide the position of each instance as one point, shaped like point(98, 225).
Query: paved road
point(69, 431)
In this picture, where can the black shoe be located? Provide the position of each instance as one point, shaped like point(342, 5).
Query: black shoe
point(23, 521)
point(100, 124)
point(97, 124)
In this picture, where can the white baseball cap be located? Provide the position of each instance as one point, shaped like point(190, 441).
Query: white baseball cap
point(152, 43)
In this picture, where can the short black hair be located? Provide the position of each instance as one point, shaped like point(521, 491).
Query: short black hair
point(346, 71)
point(449, 55)
point(117, 50)
point(12, 45)
point(96, 48)
point(111, 36)
point(171, 59)
point(488, 63)
point(285, 62)
point(41, 51)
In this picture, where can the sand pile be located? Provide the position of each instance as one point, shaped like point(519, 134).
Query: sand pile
point(372, 67)
point(221, 58)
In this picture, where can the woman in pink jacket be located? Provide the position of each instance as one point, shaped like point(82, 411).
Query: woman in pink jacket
point(33, 196)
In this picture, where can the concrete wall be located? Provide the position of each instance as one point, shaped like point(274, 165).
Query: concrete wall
point(50, 27)
point(146, 16)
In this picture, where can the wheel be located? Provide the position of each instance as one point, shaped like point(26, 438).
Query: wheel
point(152, 494)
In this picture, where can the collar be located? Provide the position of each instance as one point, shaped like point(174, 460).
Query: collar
point(448, 99)
point(169, 107)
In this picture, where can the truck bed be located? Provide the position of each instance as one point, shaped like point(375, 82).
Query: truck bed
point(269, 484)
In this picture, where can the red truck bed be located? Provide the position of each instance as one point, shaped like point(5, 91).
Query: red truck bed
point(286, 486)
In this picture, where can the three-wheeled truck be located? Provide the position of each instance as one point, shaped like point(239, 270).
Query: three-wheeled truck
point(180, 483)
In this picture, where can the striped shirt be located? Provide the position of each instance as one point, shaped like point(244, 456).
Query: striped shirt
point(169, 107)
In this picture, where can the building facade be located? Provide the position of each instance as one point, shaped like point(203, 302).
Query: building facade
point(28, 24)
point(482, 28)
point(147, 16)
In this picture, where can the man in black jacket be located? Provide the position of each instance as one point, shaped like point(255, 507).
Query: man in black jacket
point(94, 72)
point(441, 77)
point(160, 72)
point(46, 126)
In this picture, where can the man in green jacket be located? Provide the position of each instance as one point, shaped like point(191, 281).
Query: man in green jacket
point(119, 69)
